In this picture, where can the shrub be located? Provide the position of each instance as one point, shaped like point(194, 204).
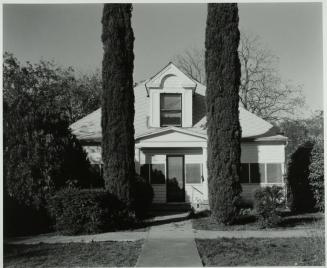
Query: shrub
point(143, 195)
point(41, 154)
point(316, 175)
point(88, 211)
point(266, 203)
point(20, 219)
point(300, 195)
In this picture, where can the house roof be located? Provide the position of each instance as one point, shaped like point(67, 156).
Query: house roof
point(185, 130)
point(254, 128)
point(169, 70)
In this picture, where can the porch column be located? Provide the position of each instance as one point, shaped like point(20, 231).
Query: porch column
point(137, 160)
point(205, 174)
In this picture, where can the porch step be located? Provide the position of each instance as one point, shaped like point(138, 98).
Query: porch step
point(178, 207)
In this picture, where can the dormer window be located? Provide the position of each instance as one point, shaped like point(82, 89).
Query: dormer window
point(171, 98)
point(170, 109)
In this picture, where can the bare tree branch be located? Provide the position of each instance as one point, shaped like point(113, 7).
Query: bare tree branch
point(261, 91)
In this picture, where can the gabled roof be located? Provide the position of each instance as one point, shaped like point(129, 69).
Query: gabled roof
point(170, 70)
point(163, 130)
point(254, 128)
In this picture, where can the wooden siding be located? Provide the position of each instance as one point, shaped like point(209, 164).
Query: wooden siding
point(252, 153)
point(159, 191)
point(154, 108)
point(187, 109)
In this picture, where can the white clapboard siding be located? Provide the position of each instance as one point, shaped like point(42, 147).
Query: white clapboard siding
point(159, 191)
point(273, 153)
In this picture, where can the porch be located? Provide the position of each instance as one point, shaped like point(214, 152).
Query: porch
point(178, 175)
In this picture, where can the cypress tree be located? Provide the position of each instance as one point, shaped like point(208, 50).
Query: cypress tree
point(118, 101)
point(222, 99)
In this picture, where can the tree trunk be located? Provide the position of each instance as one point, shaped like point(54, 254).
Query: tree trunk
point(118, 101)
point(224, 133)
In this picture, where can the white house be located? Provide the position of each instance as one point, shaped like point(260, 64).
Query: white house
point(171, 140)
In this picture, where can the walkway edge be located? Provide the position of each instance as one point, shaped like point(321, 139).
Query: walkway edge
point(204, 234)
point(112, 236)
point(142, 248)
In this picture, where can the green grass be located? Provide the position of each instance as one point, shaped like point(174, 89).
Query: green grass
point(72, 254)
point(248, 222)
point(262, 252)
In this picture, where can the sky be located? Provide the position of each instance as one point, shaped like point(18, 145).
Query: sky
point(70, 34)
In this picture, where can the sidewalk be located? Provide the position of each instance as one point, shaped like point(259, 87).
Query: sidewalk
point(204, 234)
point(170, 244)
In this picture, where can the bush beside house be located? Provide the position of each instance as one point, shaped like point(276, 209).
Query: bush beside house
point(85, 211)
point(305, 177)
point(316, 174)
point(142, 193)
point(267, 201)
point(300, 197)
point(20, 219)
point(79, 211)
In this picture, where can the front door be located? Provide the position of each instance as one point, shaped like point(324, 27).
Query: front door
point(175, 179)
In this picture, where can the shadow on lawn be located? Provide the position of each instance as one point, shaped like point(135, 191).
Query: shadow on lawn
point(165, 217)
point(295, 221)
point(240, 220)
point(12, 251)
point(203, 221)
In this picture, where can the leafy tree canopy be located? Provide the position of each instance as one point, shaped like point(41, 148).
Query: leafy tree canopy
point(300, 130)
point(40, 153)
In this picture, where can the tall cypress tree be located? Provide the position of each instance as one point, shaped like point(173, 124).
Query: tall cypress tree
point(118, 100)
point(223, 127)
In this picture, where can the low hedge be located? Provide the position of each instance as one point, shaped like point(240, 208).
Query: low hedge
point(267, 201)
point(20, 219)
point(78, 211)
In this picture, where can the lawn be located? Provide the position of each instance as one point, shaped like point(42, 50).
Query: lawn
point(72, 254)
point(248, 222)
point(262, 252)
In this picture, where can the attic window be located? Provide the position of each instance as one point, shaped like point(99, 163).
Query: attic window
point(170, 109)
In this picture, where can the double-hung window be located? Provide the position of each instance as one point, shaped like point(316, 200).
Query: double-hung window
point(170, 109)
point(261, 173)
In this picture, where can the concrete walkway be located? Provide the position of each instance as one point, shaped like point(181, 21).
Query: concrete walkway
point(204, 234)
point(170, 244)
point(52, 239)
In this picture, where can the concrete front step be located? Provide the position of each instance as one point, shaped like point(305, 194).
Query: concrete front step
point(178, 207)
